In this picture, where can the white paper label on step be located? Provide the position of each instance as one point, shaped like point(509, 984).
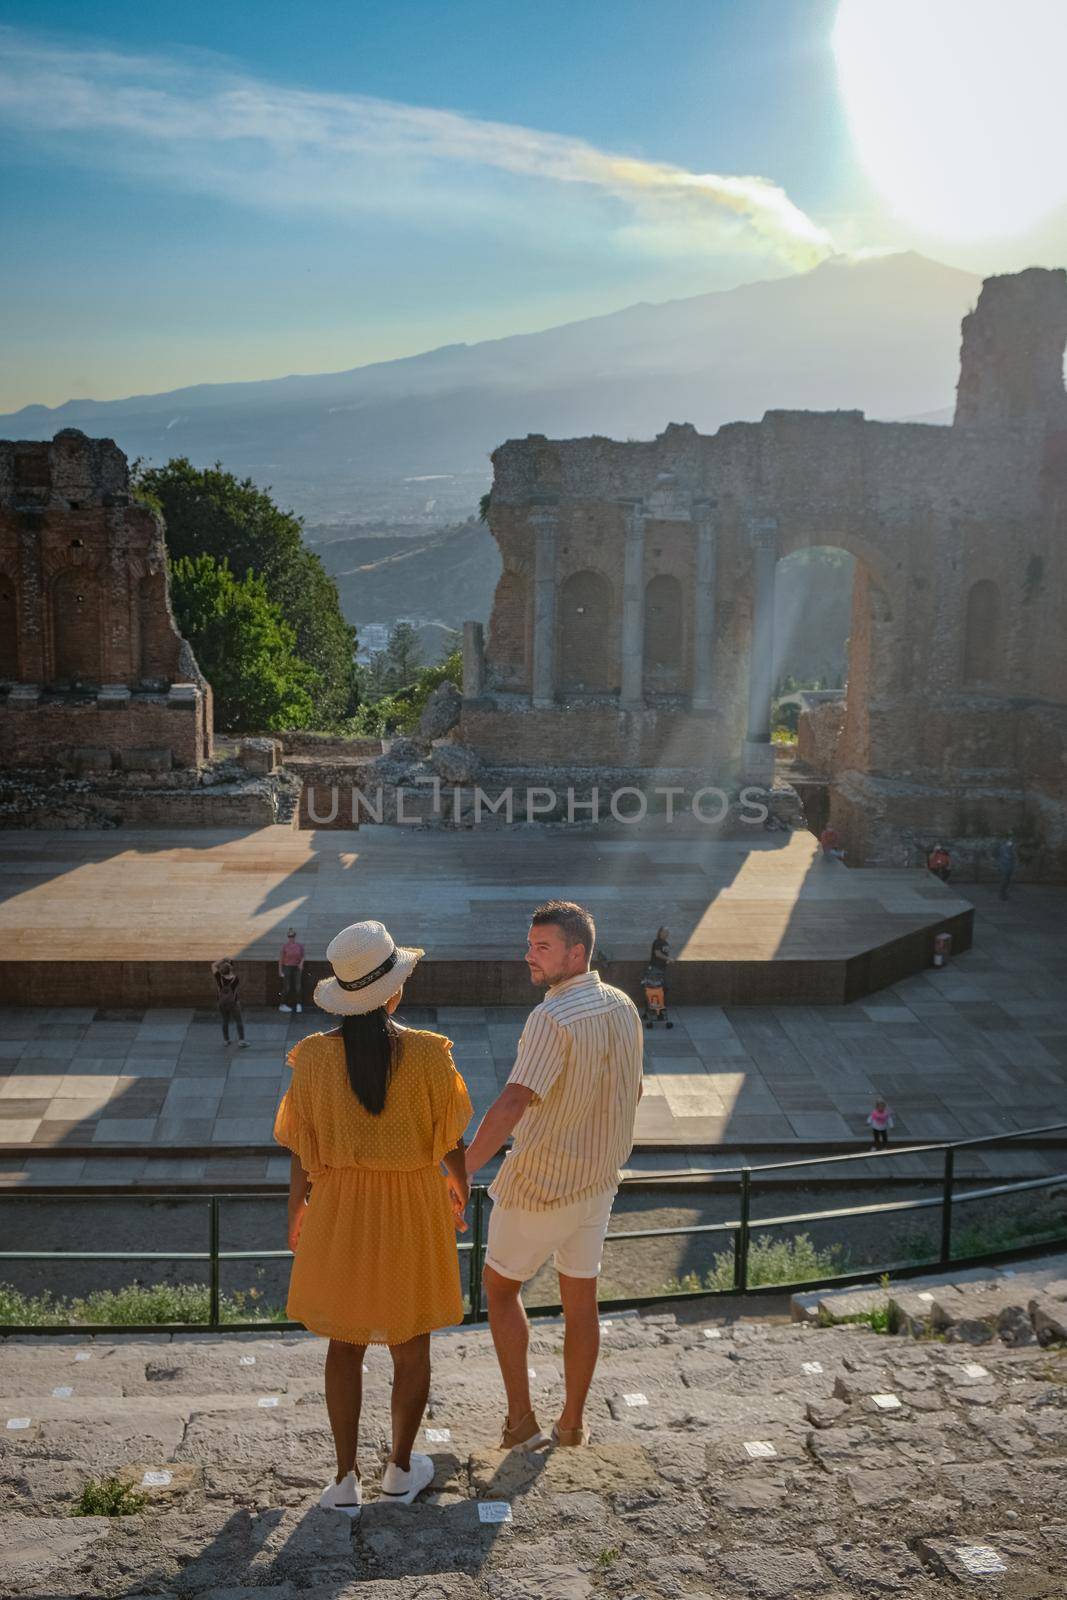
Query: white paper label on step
point(760, 1447)
point(494, 1511)
point(605, 1322)
point(975, 1369)
point(713, 1333)
point(82, 1355)
point(247, 1361)
point(366, 1368)
point(18, 1422)
point(267, 1401)
point(811, 1367)
point(980, 1558)
point(530, 1373)
point(887, 1402)
point(636, 1399)
point(924, 1294)
point(439, 1435)
point(64, 1392)
point(156, 1479)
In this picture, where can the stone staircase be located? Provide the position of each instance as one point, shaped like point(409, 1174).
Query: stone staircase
point(770, 1460)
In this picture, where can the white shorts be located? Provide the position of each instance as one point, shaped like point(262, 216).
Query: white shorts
point(520, 1242)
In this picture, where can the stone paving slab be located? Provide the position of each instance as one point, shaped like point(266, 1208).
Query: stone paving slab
point(760, 1469)
point(976, 1048)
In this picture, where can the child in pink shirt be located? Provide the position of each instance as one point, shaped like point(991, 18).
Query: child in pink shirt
point(880, 1121)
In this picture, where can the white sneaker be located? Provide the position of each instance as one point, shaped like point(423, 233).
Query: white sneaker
point(400, 1488)
point(345, 1496)
point(299, 1009)
point(286, 1008)
point(242, 1044)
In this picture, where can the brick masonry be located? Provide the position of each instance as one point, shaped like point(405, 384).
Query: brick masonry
point(91, 658)
point(956, 715)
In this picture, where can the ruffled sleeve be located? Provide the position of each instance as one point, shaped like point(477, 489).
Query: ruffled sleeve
point(294, 1125)
point(452, 1109)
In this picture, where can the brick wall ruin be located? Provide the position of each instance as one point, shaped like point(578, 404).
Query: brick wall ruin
point(94, 675)
point(633, 622)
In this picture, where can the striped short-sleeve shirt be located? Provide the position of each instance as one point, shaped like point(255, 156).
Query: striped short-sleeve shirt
point(581, 1053)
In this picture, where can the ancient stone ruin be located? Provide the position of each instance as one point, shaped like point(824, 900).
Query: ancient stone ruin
point(94, 675)
point(633, 622)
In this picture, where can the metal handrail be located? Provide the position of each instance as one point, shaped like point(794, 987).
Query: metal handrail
point(740, 1228)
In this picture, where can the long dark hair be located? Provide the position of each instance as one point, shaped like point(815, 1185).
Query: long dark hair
point(369, 1042)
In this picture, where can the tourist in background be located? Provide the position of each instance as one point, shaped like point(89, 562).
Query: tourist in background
point(1007, 860)
point(373, 1111)
point(830, 841)
point(939, 862)
point(291, 972)
point(228, 985)
point(570, 1104)
point(880, 1121)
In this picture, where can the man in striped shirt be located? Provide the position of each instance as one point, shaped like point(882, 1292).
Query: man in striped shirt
point(569, 1106)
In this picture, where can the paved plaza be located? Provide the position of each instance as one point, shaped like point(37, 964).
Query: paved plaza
point(978, 1047)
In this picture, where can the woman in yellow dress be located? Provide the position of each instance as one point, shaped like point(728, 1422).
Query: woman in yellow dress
point(373, 1111)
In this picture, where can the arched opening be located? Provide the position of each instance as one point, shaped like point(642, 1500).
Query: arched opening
point(588, 659)
point(664, 649)
point(981, 639)
point(76, 627)
point(509, 640)
point(9, 645)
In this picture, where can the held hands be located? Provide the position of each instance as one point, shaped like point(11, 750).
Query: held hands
point(458, 1194)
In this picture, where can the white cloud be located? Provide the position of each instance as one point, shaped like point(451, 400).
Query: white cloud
point(213, 131)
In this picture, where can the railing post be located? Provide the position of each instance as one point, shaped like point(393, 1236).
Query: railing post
point(741, 1236)
point(213, 1246)
point(946, 1206)
point(476, 1252)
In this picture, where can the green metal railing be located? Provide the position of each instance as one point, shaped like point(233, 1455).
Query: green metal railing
point(740, 1229)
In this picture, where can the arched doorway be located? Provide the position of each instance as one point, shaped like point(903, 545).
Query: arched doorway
point(587, 654)
point(981, 638)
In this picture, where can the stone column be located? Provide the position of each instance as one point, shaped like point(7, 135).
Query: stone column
point(473, 660)
point(632, 696)
point(545, 522)
point(704, 607)
point(759, 753)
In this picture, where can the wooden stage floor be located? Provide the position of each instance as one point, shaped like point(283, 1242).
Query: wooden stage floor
point(134, 916)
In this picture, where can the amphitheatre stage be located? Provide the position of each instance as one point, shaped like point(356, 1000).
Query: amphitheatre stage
point(133, 917)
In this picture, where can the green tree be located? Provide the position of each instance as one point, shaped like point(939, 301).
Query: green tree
point(244, 646)
point(403, 656)
point(399, 712)
point(210, 512)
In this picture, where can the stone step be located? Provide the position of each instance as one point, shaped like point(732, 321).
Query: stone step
point(737, 1459)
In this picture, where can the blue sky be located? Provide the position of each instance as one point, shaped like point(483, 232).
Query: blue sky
point(205, 192)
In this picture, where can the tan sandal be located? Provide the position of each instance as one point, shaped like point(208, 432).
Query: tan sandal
point(525, 1435)
point(569, 1437)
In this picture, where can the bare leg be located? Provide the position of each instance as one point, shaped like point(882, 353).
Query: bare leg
point(344, 1401)
point(581, 1345)
point(511, 1338)
point(411, 1390)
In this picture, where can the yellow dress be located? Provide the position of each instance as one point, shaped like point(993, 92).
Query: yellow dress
point(376, 1260)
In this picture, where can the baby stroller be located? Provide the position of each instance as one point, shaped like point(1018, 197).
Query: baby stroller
point(655, 1007)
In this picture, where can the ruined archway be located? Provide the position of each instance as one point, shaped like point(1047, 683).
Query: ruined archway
point(587, 651)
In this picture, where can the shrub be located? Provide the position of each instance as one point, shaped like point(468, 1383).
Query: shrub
point(133, 1305)
point(770, 1261)
point(108, 1497)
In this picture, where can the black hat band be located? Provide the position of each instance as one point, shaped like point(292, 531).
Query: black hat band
point(370, 977)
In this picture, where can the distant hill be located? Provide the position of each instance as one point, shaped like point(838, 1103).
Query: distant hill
point(410, 440)
point(445, 577)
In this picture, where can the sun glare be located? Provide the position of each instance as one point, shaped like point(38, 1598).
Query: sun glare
point(957, 108)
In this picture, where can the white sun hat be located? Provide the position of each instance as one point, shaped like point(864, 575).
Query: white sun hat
point(368, 967)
